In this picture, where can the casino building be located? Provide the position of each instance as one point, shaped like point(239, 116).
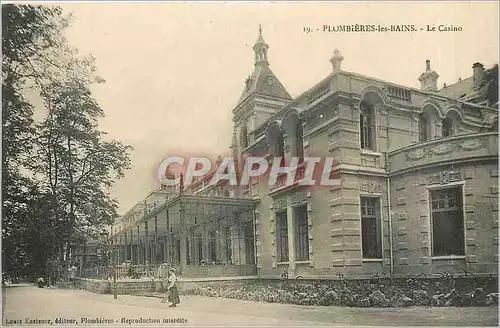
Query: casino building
point(418, 192)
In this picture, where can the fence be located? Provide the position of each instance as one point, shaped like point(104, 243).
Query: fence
point(125, 272)
point(160, 271)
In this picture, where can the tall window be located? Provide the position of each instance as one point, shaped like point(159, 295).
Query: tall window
point(280, 148)
point(423, 128)
point(302, 234)
point(282, 236)
point(447, 222)
point(299, 143)
point(447, 129)
point(367, 126)
point(243, 137)
point(188, 251)
point(370, 228)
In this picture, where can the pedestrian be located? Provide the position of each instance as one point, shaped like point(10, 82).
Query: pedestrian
point(40, 282)
point(172, 294)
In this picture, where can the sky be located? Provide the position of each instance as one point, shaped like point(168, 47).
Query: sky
point(175, 71)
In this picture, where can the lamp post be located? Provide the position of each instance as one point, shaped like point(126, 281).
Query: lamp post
point(105, 234)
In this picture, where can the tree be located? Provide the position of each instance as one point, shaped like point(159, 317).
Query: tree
point(28, 34)
point(62, 196)
point(79, 166)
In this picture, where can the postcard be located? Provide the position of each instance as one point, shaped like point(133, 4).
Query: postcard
point(186, 164)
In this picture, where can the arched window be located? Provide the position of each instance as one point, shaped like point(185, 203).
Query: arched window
point(243, 137)
point(299, 143)
point(367, 126)
point(280, 146)
point(423, 128)
point(448, 129)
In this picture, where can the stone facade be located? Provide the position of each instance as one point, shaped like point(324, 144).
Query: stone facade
point(408, 146)
point(412, 164)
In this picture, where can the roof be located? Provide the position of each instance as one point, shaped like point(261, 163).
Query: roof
point(260, 40)
point(457, 90)
point(464, 90)
point(263, 81)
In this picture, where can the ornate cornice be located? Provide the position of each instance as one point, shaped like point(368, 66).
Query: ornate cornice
point(445, 177)
point(279, 204)
point(298, 198)
point(370, 187)
point(446, 148)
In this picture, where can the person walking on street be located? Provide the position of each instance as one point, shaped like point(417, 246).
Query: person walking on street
point(172, 294)
point(40, 282)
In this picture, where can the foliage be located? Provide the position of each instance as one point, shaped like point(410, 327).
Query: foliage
point(27, 32)
point(79, 166)
point(57, 173)
point(379, 292)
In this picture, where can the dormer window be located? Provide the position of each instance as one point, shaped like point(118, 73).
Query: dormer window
point(270, 80)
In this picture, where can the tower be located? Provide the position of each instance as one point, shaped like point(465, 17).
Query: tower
point(260, 49)
point(263, 94)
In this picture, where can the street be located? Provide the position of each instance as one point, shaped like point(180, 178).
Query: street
point(26, 304)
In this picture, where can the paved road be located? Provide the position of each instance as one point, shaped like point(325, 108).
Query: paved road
point(49, 304)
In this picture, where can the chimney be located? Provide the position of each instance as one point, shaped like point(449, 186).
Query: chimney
point(478, 74)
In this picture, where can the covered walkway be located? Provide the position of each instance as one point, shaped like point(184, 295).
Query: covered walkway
point(190, 233)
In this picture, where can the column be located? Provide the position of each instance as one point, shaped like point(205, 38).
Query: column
point(132, 245)
point(290, 214)
point(227, 244)
point(204, 242)
point(146, 243)
point(165, 248)
point(155, 241)
point(166, 257)
point(119, 254)
point(126, 247)
point(243, 245)
point(138, 246)
point(221, 242)
point(236, 244)
point(146, 247)
point(183, 235)
point(115, 250)
point(120, 250)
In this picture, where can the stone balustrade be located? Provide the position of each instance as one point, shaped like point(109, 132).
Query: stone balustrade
point(451, 149)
